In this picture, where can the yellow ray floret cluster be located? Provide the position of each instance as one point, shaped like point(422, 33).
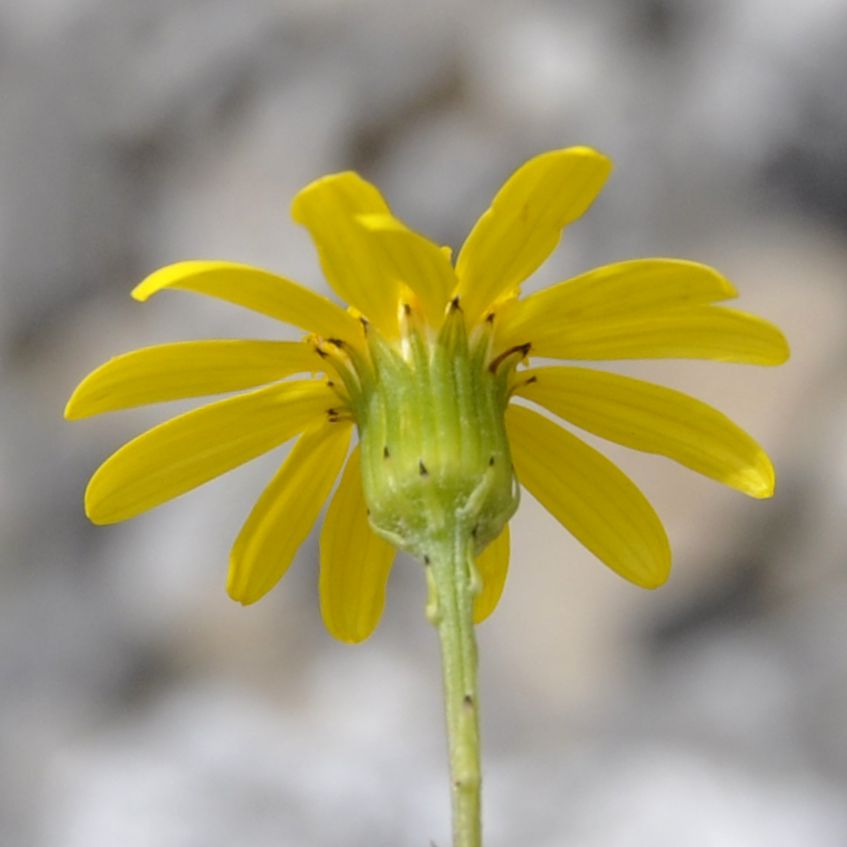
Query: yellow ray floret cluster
point(412, 311)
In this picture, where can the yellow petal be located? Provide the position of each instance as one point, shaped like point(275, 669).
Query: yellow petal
point(524, 223)
point(193, 448)
point(187, 369)
point(406, 258)
point(283, 517)
point(593, 500)
point(493, 565)
point(355, 562)
point(328, 208)
point(701, 332)
point(255, 289)
point(654, 419)
point(620, 290)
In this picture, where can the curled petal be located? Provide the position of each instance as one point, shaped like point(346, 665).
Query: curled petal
point(285, 513)
point(595, 501)
point(256, 289)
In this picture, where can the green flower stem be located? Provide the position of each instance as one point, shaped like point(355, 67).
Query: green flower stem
point(453, 583)
point(438, 481)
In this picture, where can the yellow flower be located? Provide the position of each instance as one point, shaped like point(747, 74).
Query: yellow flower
point(424, 364)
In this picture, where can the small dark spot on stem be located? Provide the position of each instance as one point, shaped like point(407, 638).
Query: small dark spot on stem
point(489, 318)
point(491, 461)
point(454, 304)
point(364, 322)
point(322, 353)
point(422, 468)
point(330, 383)
point(427, 560)
point(531, 380)
point(336, 342)
point(386, 453)
point(475, 530)
point(333, 413)
point(407, 309)
point(468, 700)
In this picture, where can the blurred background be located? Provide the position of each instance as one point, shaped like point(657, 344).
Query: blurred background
point(139, 706)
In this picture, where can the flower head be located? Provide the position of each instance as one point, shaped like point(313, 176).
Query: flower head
point(423, 365)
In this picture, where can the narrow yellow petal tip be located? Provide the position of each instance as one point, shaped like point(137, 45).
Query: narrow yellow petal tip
point(346, 637)
point(656, 579)
point(94, 510)
point(141, 292)
point(785, 354)
point(297, 209)
point(760, 479)
point(156, 281)
point(77, 406)
point(166, 276)
point(71, 413)
point(242, 598)
point(148, 286)
point(730, 292)
point(582, 150)
point(778, 351)
point(239, 588)
point(600, 163)
point(654, 569)
point(336, 606)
